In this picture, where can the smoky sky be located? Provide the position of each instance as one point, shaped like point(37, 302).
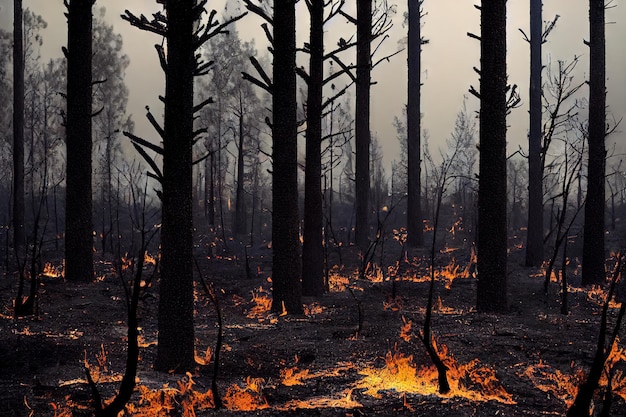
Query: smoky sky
point(447, 60)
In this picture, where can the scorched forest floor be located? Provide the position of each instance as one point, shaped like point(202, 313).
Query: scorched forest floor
point(315, 364)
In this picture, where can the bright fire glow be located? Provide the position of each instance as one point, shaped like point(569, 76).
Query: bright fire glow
point(561, 385)
point(51, 271)
point(472, 381)
point(247, 398)
point(341, 400)
point(262, 304)
point(149, 259)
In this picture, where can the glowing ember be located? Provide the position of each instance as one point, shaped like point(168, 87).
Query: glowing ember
point(405, 331)
point(342, 400)
point(392, 304)
point(262, 304)
point(247, 398)
point(453, 271)
point(441, 308)
point(183, 400)
point(207, 357)
point(65, 409)
point(553, 381)
point(50, 271)
point(336, 281)
point(149, 259)
point(293, 376)
point(313, 308)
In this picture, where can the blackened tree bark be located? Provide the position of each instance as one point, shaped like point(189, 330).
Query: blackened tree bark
point(492, 239)
point(19, 238)
point(176, 303)
point(534, 238)
point(78, 204)
point(362, 121)
point(176, 330)
point(312, 251)
point(286, 284)
point(413, 122)
point(241, 224)
point(593, 244)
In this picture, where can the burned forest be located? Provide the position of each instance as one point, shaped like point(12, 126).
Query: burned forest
point(312, 208)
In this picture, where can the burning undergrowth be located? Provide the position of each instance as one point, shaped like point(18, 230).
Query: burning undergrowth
point(400, 373)
point(497, 365)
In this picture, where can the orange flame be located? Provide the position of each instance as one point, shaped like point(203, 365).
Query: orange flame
point(473, 381)
point(263, 303)
point(247, 398)
point(561, 385)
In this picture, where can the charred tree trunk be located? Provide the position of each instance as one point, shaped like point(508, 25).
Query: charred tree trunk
point(286, 285)
point(241, 224)
point(492, 237)
point(534, 239)
point(19, 238)
point(176, 330)
point(362, 121)
point(78, 203)
point(593, 245)
point(176, 303)
point(312, 250)
point(413, 116)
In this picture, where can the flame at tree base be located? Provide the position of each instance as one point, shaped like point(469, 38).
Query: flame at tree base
point(472, 381)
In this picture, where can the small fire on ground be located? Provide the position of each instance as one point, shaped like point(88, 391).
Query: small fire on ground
point(473, 381)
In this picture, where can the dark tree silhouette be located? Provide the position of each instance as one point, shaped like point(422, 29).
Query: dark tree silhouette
point(78, 203)
point(492, 238)
point(534, 240)
point(178, 25)
point(286, 285)
point(362, 121)
point(18, 126)
point(413, 122)
point(593, 244)
point(312, 253)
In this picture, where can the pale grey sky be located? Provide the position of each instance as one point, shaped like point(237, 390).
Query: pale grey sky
point(447, 60)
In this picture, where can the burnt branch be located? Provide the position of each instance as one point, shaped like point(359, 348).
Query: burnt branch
point(259, 11)
point(214, 28)
point(157, 25)
point(200, 106)
point(203, 68)
point(162, 58)
point(156, 127)
point(256, 82)
point(268, 34)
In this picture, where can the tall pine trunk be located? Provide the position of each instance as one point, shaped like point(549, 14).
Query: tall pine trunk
point(413, 116)
point(534, 239)
point(241, 224)
point(593, 244)
point(78, 200)
point(312, 251)
point(492, 239)
point(362, 121)
point(286, 285)
point(176, 329)
point(19, 238)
